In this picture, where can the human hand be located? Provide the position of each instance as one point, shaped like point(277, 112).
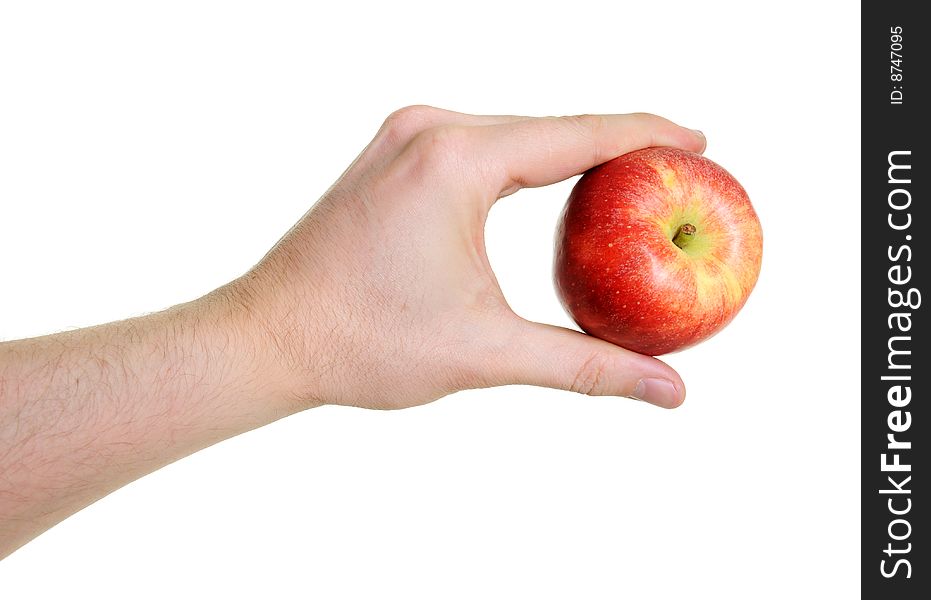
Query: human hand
point(382, 295)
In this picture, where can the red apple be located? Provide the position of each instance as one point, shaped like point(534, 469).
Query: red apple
point(657, 250)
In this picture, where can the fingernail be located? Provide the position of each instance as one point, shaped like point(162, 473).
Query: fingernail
point(660, 392)
point(702, 136)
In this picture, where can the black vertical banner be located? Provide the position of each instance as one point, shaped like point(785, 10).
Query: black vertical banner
point(895, 237)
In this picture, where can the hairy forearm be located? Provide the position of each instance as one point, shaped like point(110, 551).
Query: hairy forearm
point(87, 411)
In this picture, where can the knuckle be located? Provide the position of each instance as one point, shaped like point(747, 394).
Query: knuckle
point(592, 129)
point(588, 125)
point(590, 378)
point(444, 139)
point(440, 146)
point(643, 116)
point(403, 124)
point(647, 120)
point(434, 152)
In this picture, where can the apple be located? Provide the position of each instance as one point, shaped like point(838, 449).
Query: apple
point(656, 250)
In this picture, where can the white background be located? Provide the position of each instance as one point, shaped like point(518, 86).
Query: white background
point(149, 152)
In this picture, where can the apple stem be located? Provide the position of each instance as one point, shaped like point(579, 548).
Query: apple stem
point(683, 236)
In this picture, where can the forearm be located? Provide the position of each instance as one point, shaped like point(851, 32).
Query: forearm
point(84, 412)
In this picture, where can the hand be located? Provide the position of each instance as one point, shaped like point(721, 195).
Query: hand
point(382, 295)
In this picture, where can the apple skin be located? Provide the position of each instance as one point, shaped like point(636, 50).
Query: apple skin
point(617, 271)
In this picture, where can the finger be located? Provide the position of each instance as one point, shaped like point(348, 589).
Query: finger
point(404, 124)
point(559, 358)
point(541, 151)
point(434, 117)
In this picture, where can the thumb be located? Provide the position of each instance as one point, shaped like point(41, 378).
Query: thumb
point(559, 358)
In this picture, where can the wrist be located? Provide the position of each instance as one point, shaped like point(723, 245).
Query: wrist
point(263, 339)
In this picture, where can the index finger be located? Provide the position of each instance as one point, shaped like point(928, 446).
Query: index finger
point(544, 150)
